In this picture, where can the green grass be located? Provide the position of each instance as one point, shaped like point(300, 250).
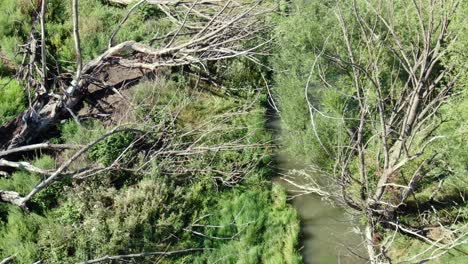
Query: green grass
point(121, 213)
point(12, 99)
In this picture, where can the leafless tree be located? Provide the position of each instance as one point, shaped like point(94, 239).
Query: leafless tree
point(385, 157)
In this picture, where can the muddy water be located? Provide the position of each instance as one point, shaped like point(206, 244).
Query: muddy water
point(327, 233)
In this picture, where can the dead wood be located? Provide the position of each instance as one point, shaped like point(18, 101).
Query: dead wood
point(7, 260)
point(10, 197)
point(170, 2)
point(142, 255)
point(218, 38)
point(17, 199)
point(39, 146)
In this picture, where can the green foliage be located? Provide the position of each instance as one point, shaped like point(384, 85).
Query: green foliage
point(406, 247)
point(156, 210)
point(259, 225)
point(81, 134)
point(298, 39)
point(15, 24)
point(108, 150)
point(12, 99)
point(18, 236)
point(21, 181)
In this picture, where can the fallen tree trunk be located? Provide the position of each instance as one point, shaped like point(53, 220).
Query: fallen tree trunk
point(48, 110)
point(170, 2)
point(219, 38)
point(11, 197)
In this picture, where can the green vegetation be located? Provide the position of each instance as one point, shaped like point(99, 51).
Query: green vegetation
point(192, 167)
point(312, 52)
point(172, 202)
point(97, 22)
point(12, 99)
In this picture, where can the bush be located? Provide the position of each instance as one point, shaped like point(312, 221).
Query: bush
point(18, 236)
point(109, 149)
point(12, 99)
point(264, 229)
point(15, 24)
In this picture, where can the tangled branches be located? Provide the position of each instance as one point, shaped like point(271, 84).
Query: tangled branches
point(204, 31)
point(396, 85)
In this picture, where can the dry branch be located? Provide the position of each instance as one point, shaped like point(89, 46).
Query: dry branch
point(169, 2)
point(43, 46)
point(16, 199)
point(219, 38)
point(76, 37)
point(7, 260)
point(143, 254)
point(22, 165)
point(46, 145)
point(394, 122)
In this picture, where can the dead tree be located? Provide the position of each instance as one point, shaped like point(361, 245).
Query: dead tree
point(383, 160)
point(204, 30)
point(211, 30)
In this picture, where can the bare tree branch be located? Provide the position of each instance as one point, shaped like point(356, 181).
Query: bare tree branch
point(144, 254)
point(76, 36)
point(43, 46)
point(38, 146)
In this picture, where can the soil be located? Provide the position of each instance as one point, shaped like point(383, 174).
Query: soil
point(101, 98)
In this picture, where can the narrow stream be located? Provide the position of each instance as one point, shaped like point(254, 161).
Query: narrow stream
point(327, 237)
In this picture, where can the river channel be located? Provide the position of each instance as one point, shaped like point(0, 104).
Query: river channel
point(327, 234)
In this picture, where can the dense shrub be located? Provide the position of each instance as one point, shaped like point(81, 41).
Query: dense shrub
point(155, 208)
point(18, 229)
point(108, 150)
point(12, 99)
point(109, 214)
point(18, 235)
point(15, 24)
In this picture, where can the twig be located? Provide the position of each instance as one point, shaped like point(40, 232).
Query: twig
point(111, 39)
point(76, 36)
point(7, 260)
